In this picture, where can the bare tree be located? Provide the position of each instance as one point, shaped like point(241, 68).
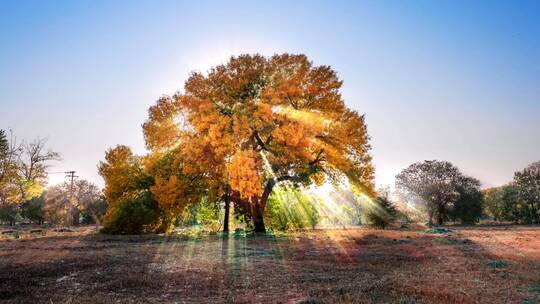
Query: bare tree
point(65, 203)
point(32, 168)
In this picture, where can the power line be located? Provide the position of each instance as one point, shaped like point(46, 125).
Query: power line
point(71, 175)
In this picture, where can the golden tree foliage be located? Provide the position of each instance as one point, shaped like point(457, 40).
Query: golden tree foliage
point(257, 121)
point(122, 172)
point(168, 193)
point(244, 170)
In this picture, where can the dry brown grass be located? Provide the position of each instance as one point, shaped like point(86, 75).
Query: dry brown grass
point(328, 266)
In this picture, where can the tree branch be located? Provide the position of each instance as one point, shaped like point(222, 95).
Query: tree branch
point(318, 158)
point(259, 140)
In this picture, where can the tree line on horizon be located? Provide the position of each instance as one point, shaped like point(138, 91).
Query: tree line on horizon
point(448, 195)
point(24, 196)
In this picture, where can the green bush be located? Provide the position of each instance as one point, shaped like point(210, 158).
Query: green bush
point(290, 209)
point(438, 230)
point(380, 213)
point(497, 264)
point(208, 214)
point(135, 213)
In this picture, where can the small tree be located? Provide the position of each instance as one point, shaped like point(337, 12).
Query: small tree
point(33, 209)
point(381, 212)
point(493, 202)
point(134, 213)
point(132, 207)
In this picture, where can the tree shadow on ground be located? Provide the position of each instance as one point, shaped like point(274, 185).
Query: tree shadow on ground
point(332, 266)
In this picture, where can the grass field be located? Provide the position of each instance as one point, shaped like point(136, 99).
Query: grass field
point(468, 265)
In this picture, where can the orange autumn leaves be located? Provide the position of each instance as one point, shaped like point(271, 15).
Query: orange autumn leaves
point(168, 193)
point(283, 107)
point(244, 175)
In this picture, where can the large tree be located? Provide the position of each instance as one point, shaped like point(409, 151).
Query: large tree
point(438, 184)
point(252, 123)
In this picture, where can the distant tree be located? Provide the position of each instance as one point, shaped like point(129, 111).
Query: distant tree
point(65, 203)
point(93, 212)
point(23, 172)
point(32, 209)
point(9, 161)
point(58, 206)
point(468, 207)
point(208, 214)
point(527, 184)
point(381, 212)
point(494, 203)
point(512, 209)
point(89, 200)
point(518, 201)
point(437, 184)
point(32, 168)
point(8, 213)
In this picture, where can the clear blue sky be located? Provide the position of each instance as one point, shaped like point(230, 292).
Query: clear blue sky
point(452, 80)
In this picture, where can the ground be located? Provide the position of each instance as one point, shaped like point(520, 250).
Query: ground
point(468, 265)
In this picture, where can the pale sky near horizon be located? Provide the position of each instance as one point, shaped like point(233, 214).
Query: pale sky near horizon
point(447, 80)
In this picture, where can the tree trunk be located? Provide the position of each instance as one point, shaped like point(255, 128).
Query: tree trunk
point(440, 220)
point(259, 205)
point(227, 209)
point(440, 214)
point(430, 221)
point(258, 217)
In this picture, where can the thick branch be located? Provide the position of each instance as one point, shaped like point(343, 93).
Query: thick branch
point(272, 182)
point(318, 158)
point(259, 140)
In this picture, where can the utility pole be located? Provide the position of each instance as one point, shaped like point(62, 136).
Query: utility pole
point(71, 175)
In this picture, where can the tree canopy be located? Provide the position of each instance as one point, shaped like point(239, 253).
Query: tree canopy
point(23, 171)
point(248, 125)
point(440, 185)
